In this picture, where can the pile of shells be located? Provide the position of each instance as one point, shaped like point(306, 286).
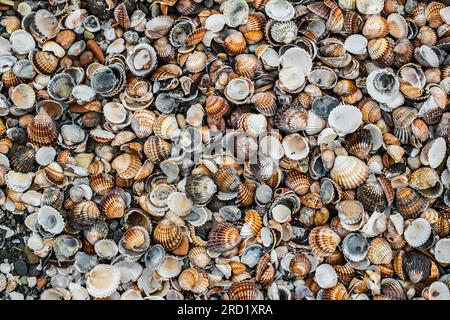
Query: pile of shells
point(225, 149)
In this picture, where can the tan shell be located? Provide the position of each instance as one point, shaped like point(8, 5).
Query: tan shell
point(168, 235)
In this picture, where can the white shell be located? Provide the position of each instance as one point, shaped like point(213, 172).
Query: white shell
point(281, 213)
point(369, 6)
point(235, 12)
point(106, 248)
point(377, 136)
point(326, 277)
point(280, 10)
point(356, 44)
point(297, 57)
point(438, 291)
point(442, 251)
point(292, 78)
point(345, 119)
point(271, 146)
point(115, 112)
point(50, 219)
point(295, 146)
point(376, 225)
point(436, 154)
point(103, 280)
point(418, 232)
point(170, 268)
point(45, 155)
point(179, 204)
point(83, 93)
point(17, 181)
point(22, 42)
point(326, 136)
point(377, 91)
point(215, 22)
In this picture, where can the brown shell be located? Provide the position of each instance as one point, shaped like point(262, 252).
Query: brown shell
point(113, 204)
point(265, 103)
point(311, 200)
point(432, 13)
point(9, 79)
point(345, 273)
point(247, 65)
point(265, 272)
point(44, 62)
point(216, 106)
point(246, 193)
point(370, 110)
point(168, 234)
point(381, 50)
point(338, 292)
point(353, 22)
point(157, 149)
point(54, 173)
point(227, 179)
point(359, 143)
point(42, 130)
point(372, 196)
point(235, 43)
point(323, 241)
point(121, 16)
point(243, 290)
point(127, 165)
point(300, 265)
point(237, 267)
point(223, 237)
point(83, 214)
point(133, 238)
point(66, 38)
point(380, 251)
point(375, 27)
point(101, 183)
point(199, 257)
point(166, 72)
point(195, 37)
point(164, 49)
point(392, 289)
point(409, 202)
point(298, 182)
point(254, 220)
point(291, 118)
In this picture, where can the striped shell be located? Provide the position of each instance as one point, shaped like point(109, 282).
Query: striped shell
point(168, 235)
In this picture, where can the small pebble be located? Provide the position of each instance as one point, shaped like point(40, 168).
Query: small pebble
point(20, 266)
point(5, 268)
point(31, 281)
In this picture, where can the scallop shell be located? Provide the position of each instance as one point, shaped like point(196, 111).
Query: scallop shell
point(380, 251)
point(409, 202)
point(243, 290)
point(44, 62)
point(418, 232)
point(300, 265)
point(345, 119)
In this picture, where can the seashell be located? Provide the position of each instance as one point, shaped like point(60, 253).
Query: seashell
point(409, 202)
point(239, 90)
point(135, 241)
point(355, 247)
point(121, 16)
point(352, 116)
point(376, 27)
point(223, 237)
point(23, 96)
point(60, 87)
point(323, 77)
point(349, 172)
point(398, 27)
point(265, 271)
point(127, 165)
point(432, 14)
point(323, 241)
point(243, 290)
point(199, 257)
point(325, 276)
point(158, 26)
point(170, 268)
point(50, 220)
point(441, 251)
point(156, 149)
point(291, 118)
point(417, 233)
point(194, 280)
point(102, 280)
point(246, 193)
point(166, 127)
point(300, 265)
point(414, 266)
point(379, 251)
point(142, 59)
point(101, 183)
point(298, 182)
point(22, 42)
point(22, 159)
point(372, 196)
point(359, 143)
point(44, 62)
point(235, 12)
point(279, 10)
point(180, 31)
point(168, 235)
point(54, 174)
point(113, 204)
point(200, 188)
point(253, 223)
point(336, 293)
point(196, 61)
point(235, 43)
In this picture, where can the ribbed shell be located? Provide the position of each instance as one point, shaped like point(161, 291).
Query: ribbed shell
point(121, 16)
point(42, 130)
point(246, 193)
point(338, 292)
point(44, 62)
point(247, 65)
point(380, 251)
point(254, 221)
point(243, 290)
point(345, 273)
point(22, 159)
point(216, 106)
point(113, 204)
point(200, 188)
point(359, 143)
point(265, 272)
point(291, 118)
point(223, 237)
point(84, 214)
point(157, 149)
point(370, 110)
point(300, 265)
point(265, 103)
point(349, 172)
point(168, 234)
point(323, 241)
point(127, 165)
point(413, 266)
point(227, 179)
point(101, 183)
point(409, 202)
point(298, 182)
point(372, 196)
point(142, 123)
point(392, 289)
point(199, 257)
